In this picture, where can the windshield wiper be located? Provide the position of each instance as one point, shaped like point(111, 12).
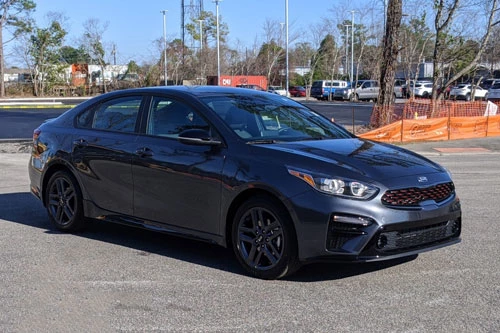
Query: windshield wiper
point(262, 141)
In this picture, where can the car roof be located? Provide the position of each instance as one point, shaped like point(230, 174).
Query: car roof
point(195, 91)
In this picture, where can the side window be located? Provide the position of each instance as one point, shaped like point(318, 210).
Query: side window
point(169, 117)
point(374, 84)
point(119, 114)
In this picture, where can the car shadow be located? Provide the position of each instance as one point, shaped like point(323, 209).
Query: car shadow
point(316, 272)
point(25, 209)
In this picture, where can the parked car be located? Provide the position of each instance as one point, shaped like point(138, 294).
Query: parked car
point(297, 91)
point(422, 89)
point(250, 86)
point(464, 91)
point(494, 93)
point(322, 89)
point(488, 83)
point(408, 87)
point(278, 90)
point(265, 175)
point(364, 90)
point(398, 88)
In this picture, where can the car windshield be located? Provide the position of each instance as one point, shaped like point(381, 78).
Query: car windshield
point(269, 118)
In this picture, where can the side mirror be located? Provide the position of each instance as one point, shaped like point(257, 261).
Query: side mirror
point(198, 137)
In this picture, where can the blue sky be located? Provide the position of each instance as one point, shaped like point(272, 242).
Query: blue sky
point(134, 25)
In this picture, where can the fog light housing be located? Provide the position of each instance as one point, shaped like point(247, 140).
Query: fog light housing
point(382, 242)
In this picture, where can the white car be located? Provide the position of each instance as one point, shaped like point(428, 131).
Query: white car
point(464, 91)
point(422, 89)
point(278, 90)
point(494, 93)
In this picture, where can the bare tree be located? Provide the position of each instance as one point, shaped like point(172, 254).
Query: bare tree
point(492, 10)
point(93, 33)
point(316, 35)
point(13, 13)
point(389, 60)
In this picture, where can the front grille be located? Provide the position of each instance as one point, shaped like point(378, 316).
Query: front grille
point(409, 238)
point(413, 196)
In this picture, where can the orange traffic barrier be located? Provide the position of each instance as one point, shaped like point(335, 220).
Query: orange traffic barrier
point(422, 120)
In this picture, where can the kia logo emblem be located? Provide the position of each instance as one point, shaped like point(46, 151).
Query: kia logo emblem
point(422, 179)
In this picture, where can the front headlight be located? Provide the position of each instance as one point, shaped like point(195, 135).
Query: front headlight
point(336, 186)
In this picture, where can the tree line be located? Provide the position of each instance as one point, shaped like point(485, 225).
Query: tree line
point(371, 42)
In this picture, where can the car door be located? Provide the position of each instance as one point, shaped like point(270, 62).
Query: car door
point(374, 90)
point(103, 150)
point(177, 184)
point(363, 90)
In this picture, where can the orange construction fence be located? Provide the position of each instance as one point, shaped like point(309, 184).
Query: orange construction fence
point(422, 120)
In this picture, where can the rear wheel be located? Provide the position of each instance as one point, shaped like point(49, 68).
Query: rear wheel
point(63, 200)
point(264, 239)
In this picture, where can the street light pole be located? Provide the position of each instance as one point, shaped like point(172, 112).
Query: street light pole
point(165, 44)
point(218, 40)
point(352, 46)
point(201, 52)
point(346, 47)
point(286, 47)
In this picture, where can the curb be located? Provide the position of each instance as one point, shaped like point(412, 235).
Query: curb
point(15, 140)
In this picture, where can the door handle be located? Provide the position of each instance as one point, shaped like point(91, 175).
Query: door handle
point(144, 152)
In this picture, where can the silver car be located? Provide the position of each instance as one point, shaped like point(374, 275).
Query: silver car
point(494, 93)
point(464, 91)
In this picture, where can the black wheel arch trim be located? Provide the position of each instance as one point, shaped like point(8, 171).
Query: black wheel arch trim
point(56, 165)
point(251, 190)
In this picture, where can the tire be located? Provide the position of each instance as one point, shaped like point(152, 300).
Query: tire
point(63, 201)
point(264, 239)
point(467, 97)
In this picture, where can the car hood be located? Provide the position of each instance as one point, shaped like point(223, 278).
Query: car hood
point(371, 159)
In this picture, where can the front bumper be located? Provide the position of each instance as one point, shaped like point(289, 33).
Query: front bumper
point(391, 232)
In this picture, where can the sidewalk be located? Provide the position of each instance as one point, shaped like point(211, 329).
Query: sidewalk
point(466, 146)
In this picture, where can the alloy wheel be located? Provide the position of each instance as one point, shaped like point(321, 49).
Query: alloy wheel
point(62, 201)
point(260, 238)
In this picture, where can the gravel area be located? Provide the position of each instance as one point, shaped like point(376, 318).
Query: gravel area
point(15, 147)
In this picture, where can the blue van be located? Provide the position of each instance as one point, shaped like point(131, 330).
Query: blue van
point(321, 89)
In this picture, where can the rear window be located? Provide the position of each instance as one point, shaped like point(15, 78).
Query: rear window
point(119, 114)
point(496, 86)
point(317, 84)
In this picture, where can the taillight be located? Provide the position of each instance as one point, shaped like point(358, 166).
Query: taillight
point(36, 134)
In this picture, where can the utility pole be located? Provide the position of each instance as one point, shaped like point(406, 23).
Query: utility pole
point(218, 40)
point(286, 47)
point(165, 44)
point(352, 47)
point(201, 52)
point(114, 54)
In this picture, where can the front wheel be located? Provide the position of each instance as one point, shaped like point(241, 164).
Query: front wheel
point(64, 202)
point(264, 240)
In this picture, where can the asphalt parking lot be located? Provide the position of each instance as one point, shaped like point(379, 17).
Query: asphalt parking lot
point(111, 278)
